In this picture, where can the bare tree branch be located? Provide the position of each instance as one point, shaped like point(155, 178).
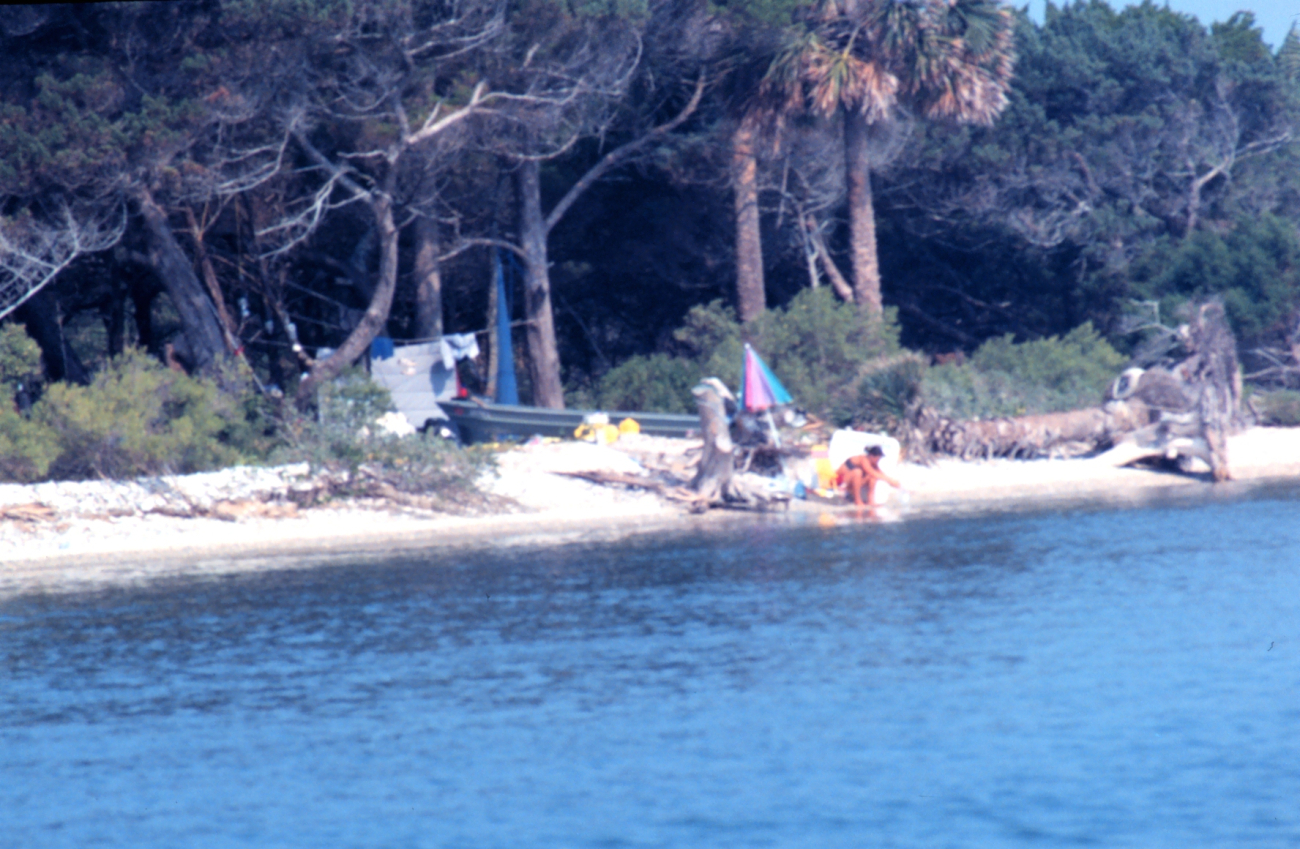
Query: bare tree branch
point(33, 251)
point(619, 155)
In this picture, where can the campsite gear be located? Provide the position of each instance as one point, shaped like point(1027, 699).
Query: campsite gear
point(479, 421)
point(596, 428)
point(415, 377)
point(454, 347)
point(822, 466)
point(381, 348)
point(760, 391)
point(629, 425)
point(759, 388)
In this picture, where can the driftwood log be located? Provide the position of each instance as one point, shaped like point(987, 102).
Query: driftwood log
point(1180, 413)
point(716, 483)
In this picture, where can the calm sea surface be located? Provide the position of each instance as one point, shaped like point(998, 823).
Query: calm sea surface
point(1077, 676)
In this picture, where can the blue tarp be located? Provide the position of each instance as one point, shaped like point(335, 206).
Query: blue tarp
point(507, 388)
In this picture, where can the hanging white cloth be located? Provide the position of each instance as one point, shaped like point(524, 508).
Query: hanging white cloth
point(457, 346)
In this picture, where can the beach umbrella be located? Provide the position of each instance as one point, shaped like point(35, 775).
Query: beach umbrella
point(759, 388)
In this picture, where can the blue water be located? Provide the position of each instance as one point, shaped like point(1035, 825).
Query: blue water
point(1082, 676)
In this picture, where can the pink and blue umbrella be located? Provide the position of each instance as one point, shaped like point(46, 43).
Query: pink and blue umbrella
point(759, 388)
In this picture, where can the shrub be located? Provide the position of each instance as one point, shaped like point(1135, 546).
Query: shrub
point(815, 345)
point(1254, 267)
point(342, 436)
point(1003, 378)
point(657, 382)
point(1278, 409)
point(20, 359)
point(889, 394)
point(819, 347)
point(137, 418)
point(27, 448)
point(332, 436)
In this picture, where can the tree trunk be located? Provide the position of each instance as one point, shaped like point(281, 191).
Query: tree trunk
point(143, 292)
point(229, 329)
point(1027, 437)
point(751, 298)
point(204, 342)
point(375, 316)
point(40, 316)
point(543, 351)
point(115, 321)
point(494, 335)
point(1213, 366)
point(428, 280)
point(862, 213)
point(838, 283)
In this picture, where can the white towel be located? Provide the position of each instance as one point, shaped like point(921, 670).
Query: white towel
point(457, 346)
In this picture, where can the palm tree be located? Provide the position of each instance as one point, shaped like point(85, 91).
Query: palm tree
point(876, 62)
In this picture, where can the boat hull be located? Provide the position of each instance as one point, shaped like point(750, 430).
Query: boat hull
point(482, 422)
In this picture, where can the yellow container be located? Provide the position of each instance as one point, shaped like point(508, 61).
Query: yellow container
point(822, 463)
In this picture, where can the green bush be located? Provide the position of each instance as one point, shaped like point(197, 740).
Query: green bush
point(140, 418)
point(658, 382)
point(889, 394)
point(20, 359)
point(137, 418)
point(332, 436)
point(1254, 267)
point(815, 345)
point(342, 436)
point(1003, 378)
point(1278, 409)
point(27, 448)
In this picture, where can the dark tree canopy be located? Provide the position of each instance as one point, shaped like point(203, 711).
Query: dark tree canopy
point(216, 179)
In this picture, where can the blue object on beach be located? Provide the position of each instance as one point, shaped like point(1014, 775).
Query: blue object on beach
point(507, 388)
point(381, 348)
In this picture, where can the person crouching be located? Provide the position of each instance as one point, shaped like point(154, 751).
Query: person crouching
point(862, 472)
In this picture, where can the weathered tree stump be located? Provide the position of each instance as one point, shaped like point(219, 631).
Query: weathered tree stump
point(716, 483)
point(1181, 413)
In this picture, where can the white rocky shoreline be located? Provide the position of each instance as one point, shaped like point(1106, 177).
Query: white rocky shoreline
point(69, 534)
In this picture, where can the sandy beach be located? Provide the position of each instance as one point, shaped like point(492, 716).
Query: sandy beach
point(96, 533)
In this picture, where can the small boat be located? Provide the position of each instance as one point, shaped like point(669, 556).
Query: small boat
point(479, 421)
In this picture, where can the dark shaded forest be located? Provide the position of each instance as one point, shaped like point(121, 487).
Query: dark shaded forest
point(282, 181)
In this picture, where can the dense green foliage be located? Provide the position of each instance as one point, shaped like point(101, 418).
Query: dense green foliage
point(140, 418)
point(1003, 378)
point(137, 418)
point(849, 371)
point(1255, 268)
point(815, 345)
point(20, 359)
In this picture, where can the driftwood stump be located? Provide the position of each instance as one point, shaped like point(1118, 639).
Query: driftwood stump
point(1213, 370)
point(716, 483)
